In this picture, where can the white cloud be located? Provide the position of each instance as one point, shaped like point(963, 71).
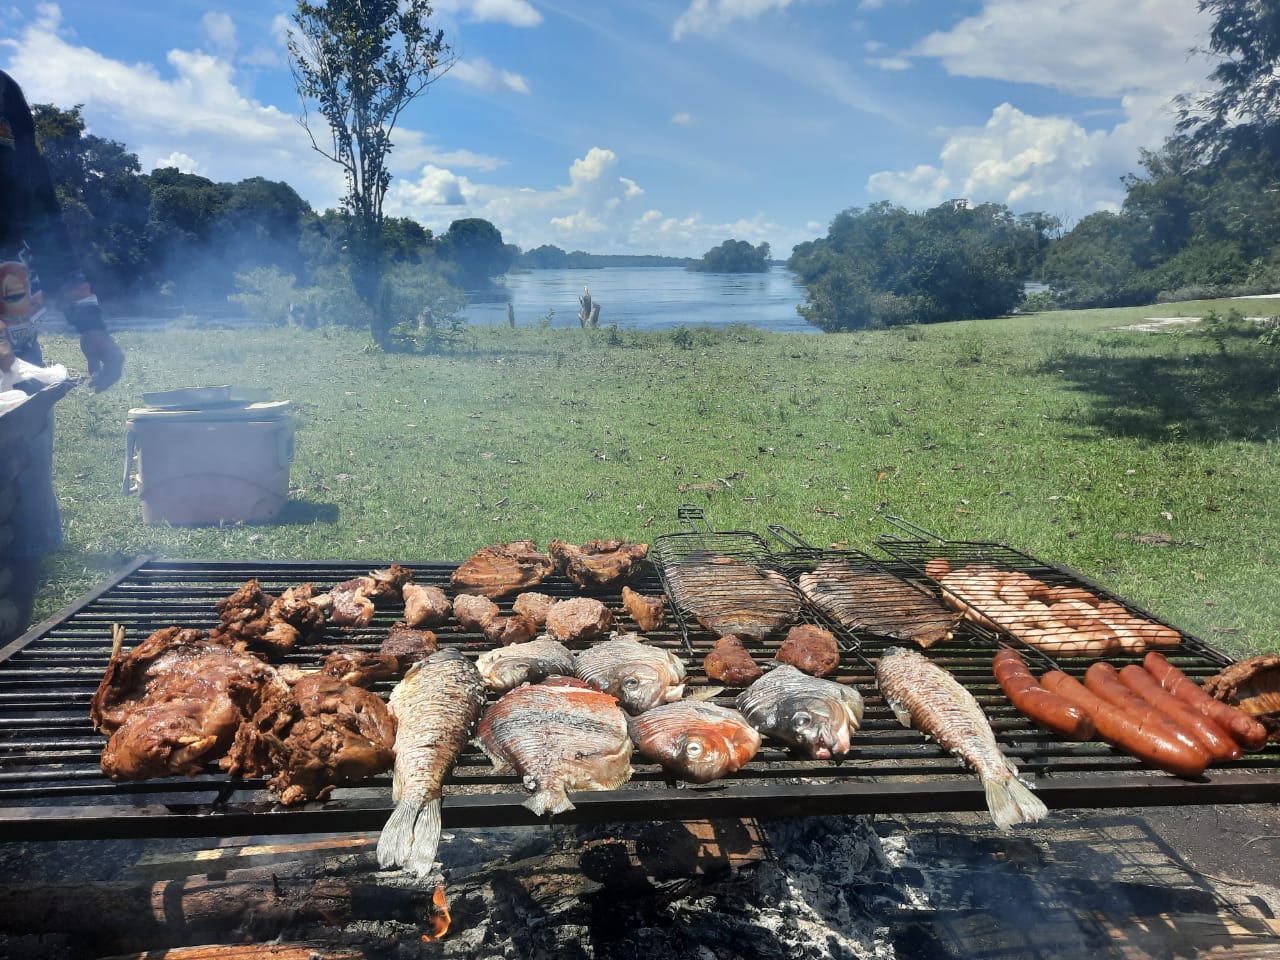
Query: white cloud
point(221, 32)
point(1096, 48)
point(515, 13)
point(890, 64)
point(179, 160)
point(1133, 57)
point(682, 119)
point(1050, 164)
point(708, 16)
point(434, 187)
point(480, 73)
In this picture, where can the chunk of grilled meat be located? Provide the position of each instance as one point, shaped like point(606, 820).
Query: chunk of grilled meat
point(408, 645)
point(578, 620)
point(598, 564)
point(317, 735)
point(474, 611)
point(358, 667)
point(731, 662)
point(810, 649)
point(425, 606)
point(502, 568)
point(649, 613)
point(1252, 685)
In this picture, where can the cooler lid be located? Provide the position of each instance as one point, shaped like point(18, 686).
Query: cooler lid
point(266, 410)
point(194, 398)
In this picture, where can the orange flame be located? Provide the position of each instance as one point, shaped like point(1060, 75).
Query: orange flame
point(439, 919)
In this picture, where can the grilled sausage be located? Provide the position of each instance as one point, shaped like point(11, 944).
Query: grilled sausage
point(1148, 742)
point(1047, 709)
point(1212, 737)
point(1244, 729)
point(1104, 680)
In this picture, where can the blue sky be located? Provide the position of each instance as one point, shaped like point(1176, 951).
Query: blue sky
point(662, 126)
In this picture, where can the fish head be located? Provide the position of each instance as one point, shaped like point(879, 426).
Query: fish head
point(508, 673)
point(640, 686)
point(820, 726)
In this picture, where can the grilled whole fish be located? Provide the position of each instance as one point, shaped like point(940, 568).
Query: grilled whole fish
point(878, 603)
point(436, 707)
point(558, 736)
point(925, 697)
point(505, 668)
point(638, 674)
point(699, 741)
point(815, 716)
point(727, 595)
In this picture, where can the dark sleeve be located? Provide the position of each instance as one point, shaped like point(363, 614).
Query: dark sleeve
point(33, 212)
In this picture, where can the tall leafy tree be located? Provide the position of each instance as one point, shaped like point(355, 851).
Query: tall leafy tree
point(1245, 40)
point(361, 62)
point(475, 250)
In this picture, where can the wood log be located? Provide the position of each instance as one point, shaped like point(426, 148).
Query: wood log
point(122, 917)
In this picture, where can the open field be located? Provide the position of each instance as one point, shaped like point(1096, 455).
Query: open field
point(1146, 461)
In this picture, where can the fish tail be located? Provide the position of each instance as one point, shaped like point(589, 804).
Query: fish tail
point(546, 803)
point(1011, 801)
point(411, 835)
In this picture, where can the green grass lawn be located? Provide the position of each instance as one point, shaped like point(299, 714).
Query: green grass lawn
point(1146, 461)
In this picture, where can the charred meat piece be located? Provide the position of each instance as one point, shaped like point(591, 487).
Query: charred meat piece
point(352, 605)
point(503, 568)
point(578, 620)
point(730, 662)
point(175, 702)
point(598, 564)
point(516, 628)
point(728, 595)
point(317, 735)
point(473, 611)
point(425, 606)
point(387, 586)
point(408, 645)
point(878, 603)
point(811, 649)
point(358, 668)
point(649, 613)
point(534, 606)
point(1252, 685)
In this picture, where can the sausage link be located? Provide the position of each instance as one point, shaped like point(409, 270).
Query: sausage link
point(1244, 729)
point(1047, 709)
point(1212, 737)
point(1150, 743)
point(1104, 680)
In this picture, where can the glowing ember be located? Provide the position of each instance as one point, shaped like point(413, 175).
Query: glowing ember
point(439, 919)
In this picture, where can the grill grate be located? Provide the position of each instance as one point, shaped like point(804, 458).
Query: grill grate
point(51, 786)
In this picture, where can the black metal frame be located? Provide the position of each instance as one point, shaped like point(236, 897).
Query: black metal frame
point(51, 787)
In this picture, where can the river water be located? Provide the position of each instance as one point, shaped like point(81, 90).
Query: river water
point(651, 298)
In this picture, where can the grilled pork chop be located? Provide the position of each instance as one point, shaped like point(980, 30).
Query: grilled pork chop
point(877, 603)
point(502, 568)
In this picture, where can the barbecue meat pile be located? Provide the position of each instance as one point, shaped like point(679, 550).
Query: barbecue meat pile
point(502, 568)
point(174, 703)
point(250, 619)
point(314, 736)
point(1252, 685)
point(352, 602)
point(598, 564)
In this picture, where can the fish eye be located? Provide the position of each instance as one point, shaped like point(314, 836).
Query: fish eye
point(693, 750)
point(802, 719)
point(630, 683)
